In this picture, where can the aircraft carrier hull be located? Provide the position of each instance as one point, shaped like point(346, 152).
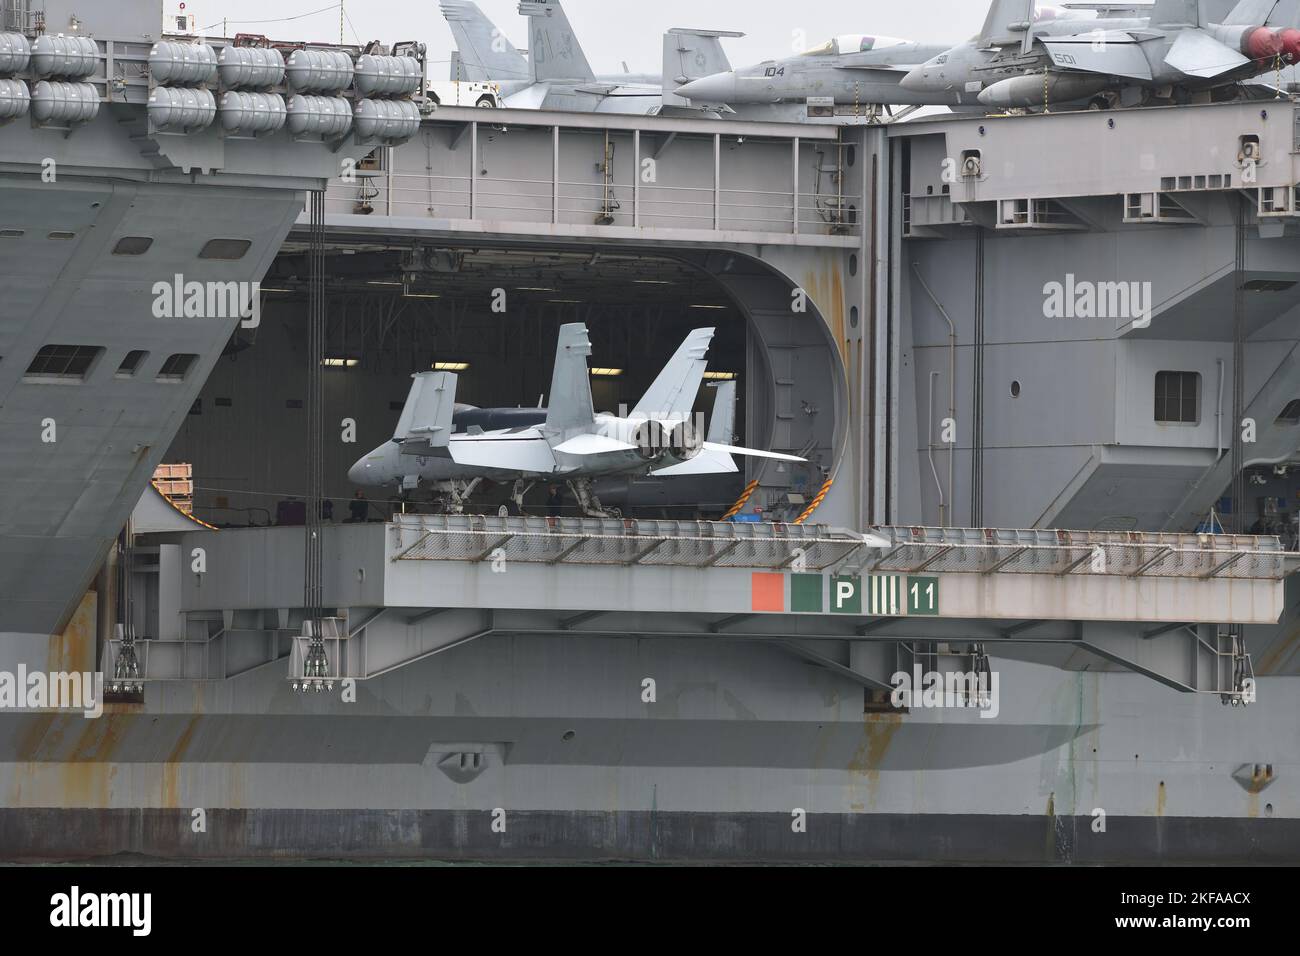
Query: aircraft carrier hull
point(484, 753)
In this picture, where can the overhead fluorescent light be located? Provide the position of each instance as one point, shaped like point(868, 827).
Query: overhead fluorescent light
point(720, 376)
point(420, 295)
point(565, 301)
point(606, 372)
point(450, 366)
point(652, 282)
point(708, 307)
point(340, 362)
point(385, 283)
point(280, 291)
point(533, 288)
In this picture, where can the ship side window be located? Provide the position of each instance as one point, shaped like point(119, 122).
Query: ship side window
point(176, 367)
point(67, 363)
point(1178, 397)
point(131, 364)
point(227, 249)
point(1291, 414)
point(132, 246)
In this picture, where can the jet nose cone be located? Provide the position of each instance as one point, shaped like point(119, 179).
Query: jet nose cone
point(718, 88)
point(357, 474)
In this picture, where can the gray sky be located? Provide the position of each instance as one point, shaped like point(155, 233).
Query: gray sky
point(611, 31)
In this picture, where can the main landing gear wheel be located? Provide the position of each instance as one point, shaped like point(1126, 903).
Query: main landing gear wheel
point(587, 500)
point(455, 500)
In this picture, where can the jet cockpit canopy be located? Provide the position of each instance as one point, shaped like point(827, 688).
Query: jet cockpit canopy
point(854, 43)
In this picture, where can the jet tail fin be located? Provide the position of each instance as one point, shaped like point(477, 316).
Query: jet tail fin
point(722, 426)
point(483, 51)
point(426, 422)
point(692, 55)
point(554, 52)
point(722, 432)
point(1249, 13)
point(1003, 14)
point(672, 396)
point(571, 405)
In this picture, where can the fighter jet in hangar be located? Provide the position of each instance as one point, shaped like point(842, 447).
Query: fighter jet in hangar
point(574, 444)
point(1183, 51)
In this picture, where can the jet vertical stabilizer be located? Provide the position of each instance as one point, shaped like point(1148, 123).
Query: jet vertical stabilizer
point(1003, 15)
point(570, 400)
point(485, 52)
point(426, 421)
point(672, 396)
point(716, 460)
point(722, 426)
point(1249, 13)
point(692, 55)
point(554, 52)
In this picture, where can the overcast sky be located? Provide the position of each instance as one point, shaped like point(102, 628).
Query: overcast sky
point(611, 31)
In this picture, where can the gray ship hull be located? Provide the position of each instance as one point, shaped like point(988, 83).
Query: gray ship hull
point(482, 753)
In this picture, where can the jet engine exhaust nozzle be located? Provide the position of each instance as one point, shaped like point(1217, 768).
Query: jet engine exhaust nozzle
point(685, 442)
point(1291, 44)
point(1263, 44)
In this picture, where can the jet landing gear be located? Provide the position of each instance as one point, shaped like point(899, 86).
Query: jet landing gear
point(456, 494)
point(520, 489)
point(587, 500)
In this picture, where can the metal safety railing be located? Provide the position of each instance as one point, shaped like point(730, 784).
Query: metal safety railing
point(1108, 553)
point(585, 541)
point(706, 544)
point(568, 202)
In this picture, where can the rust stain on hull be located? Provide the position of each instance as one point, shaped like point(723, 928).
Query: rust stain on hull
point(826, 291)
point(171, 769)
point(74, 649)
point(878, 735)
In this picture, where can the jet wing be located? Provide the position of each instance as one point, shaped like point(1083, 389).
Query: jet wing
point(882, 67)
point(1113, 11)
point(590, 444)
point(528, 455)
point(716, 459)
point(427, 417)
point(1115, 53)
point(625, 90)
point(1199, 54)
point(705, 463)
point(751, 452)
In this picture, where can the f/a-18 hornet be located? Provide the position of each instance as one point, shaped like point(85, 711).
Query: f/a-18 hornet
point(573, 444)
point(1183, 51)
